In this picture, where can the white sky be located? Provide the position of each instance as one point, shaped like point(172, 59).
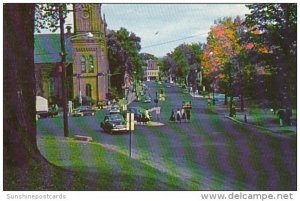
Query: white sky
point(171, 21)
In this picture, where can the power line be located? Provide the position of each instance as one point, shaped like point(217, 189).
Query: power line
point(171, 41)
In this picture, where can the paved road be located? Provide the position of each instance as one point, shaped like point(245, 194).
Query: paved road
point(209, 153)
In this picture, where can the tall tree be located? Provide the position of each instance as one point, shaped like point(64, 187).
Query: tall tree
point(19, 133)
point(220, 55)
point(277, 24)
point(123, 49)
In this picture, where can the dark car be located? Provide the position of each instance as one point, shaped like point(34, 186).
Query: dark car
point(114, 109)
point(84, 111)
point(113, 123)
point(147, 99)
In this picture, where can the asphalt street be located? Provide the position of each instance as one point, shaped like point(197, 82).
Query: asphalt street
point(209, 153)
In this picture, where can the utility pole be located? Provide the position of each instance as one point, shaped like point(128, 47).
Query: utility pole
point(63, 70)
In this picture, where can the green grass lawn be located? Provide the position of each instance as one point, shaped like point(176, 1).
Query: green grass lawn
point(95, 167)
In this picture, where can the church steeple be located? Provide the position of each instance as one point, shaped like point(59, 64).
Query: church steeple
point(88, 19)
point(90, 61)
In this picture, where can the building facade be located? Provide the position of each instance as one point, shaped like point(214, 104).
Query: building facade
point(152, 70)
point(86, 63)
point(90, 60)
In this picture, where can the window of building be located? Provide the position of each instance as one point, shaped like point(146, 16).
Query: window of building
point(83, 64)
point(88, 90)
point(91, 64)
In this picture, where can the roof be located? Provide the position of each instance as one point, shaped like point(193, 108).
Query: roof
point(47, 48)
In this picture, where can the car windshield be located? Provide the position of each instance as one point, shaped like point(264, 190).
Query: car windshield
point(115, 118)
point(115, 107)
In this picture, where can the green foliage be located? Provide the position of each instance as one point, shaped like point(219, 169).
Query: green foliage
point(274, 28)
point(47, 16)
point(182, 60)
point(123, 48)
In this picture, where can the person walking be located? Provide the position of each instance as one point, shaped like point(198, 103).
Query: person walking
point(178, 115)
point(183, 115)
point(172, 117)
point(188, 115)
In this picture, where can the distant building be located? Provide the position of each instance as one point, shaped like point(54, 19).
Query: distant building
point(87, 65)
point(151, 71)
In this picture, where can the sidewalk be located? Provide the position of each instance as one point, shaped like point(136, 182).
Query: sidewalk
point(261, 118)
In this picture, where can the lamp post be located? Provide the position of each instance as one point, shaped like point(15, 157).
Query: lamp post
point(63, 60)
point(213, 101)
point(63, 68)
point(134, 83)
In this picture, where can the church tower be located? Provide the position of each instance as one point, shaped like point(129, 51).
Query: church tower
point(90, 60)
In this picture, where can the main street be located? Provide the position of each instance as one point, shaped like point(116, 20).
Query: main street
point(209, 153)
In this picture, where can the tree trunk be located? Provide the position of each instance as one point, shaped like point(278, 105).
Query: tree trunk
point(226, 99)
point(242, 102)
point(19, 86)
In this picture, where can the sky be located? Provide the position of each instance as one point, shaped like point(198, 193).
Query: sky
point(164, 26)
point(159, 24)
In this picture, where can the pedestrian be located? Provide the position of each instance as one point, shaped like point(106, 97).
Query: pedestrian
point(147, 116)
point(188, 115)
point(70, 106)
point(139, 118)
point(178, 115)
point(157, 111)
point(172, 117)
point(183, 115)
point(281, 115)
point(209, 101)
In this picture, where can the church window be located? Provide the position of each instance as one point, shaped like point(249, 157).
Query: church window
point(91, 64)
point(83, 64)
point(88, 90)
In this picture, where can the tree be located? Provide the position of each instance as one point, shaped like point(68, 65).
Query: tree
point(19, 134)
point(123, 48)
point(277, 27)
point(168, 65)
point(182, 62)
point(220, 56)
point(47, 16)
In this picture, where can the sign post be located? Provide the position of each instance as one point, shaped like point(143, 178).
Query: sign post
point(130, 127)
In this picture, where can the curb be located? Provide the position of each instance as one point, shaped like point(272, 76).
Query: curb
point(260, 127)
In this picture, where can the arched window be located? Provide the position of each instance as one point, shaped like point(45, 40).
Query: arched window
point(83, 65)
point(88, 90)
point(91, 64)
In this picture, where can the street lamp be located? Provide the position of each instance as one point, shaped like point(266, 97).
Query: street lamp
point(63, 60)
point(213, 101)
point(63, 68)
point(135, 85)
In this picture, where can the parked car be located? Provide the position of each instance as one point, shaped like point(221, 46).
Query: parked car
point(84, 110)
point(114, 109)
point(187, 104)
point(113, 123)
point(147, 99)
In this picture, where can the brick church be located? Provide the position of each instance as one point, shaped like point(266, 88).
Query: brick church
point(86, 64)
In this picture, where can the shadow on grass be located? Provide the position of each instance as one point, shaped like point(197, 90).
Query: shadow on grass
point(126, 174)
